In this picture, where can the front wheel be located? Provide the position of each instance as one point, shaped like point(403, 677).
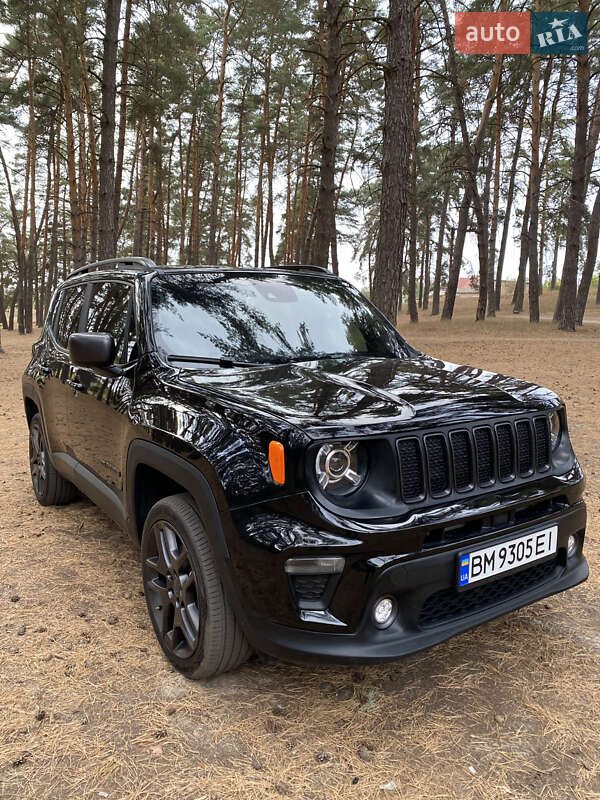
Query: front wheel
point(191, 616)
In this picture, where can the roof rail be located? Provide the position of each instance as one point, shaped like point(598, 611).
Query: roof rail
point(309, 267)
point(135, 262)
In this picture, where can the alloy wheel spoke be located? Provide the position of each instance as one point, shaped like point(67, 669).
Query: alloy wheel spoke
point(155, 563)
point(163, 561)
point(188, 628)
point(187, 581)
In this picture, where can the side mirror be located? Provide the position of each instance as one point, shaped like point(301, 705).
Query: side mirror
point(92, 349)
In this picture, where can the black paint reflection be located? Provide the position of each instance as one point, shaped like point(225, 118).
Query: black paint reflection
point(266, 319)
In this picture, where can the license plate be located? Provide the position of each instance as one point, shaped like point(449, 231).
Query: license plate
point(498, 558)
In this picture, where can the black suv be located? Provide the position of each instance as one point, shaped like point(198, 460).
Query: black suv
point(301, 481)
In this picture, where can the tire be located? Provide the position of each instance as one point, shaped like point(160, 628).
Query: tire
point(192, 619)
point(50, 488)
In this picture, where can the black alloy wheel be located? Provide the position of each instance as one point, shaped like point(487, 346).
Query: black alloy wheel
point(175, 599)
point(50, 488)
point(38, 459)
point(191, 616)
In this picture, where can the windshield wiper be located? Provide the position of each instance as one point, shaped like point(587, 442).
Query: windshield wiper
point(219, 362)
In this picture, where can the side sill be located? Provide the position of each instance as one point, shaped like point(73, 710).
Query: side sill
point(91, 486)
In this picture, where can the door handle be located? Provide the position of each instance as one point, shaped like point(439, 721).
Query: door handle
point(75, 385)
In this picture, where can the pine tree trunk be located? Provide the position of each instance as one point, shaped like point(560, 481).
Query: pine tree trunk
point(554, 262)
point(397, 119)
point(519, 292)
point(427, 283)
point(76, 213)
point(543, 236)
point(31, 262)
point(216, 175)
point(448, 172)
point(534, 282)
point(106, 208)
point(325, 221)
point(566, 307)
point(495, 206)
point(509, 200)
point(472, 158)
point(590, 261)
point(122, 120)
point(414, 219)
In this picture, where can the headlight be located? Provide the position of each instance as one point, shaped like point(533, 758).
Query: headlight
point(554, 429)
point(341, 467)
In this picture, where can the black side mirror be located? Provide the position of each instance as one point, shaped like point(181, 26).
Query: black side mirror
point(92, 349)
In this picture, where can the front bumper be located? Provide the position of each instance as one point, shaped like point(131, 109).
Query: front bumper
point(430, 609)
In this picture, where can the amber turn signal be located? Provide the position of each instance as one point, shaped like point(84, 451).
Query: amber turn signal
point(277, 461)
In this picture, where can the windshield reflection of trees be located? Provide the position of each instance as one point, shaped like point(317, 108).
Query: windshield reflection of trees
point(242, 330)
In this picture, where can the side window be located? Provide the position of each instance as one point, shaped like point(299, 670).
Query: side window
point(109, 313)
point(69, 314)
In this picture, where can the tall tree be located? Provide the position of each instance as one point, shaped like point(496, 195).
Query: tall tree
point(325, 220)
point(106, 217)
point(566, 306)
point(397, 127)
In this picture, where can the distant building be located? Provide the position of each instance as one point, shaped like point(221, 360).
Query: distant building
point(468, 286)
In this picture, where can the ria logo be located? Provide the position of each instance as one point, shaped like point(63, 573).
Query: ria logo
point(539, 32)
point(558, 33)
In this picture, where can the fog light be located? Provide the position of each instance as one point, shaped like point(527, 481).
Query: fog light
point(571, 545)
point(384, 612)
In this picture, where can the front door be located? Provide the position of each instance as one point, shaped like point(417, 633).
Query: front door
point(103, 400)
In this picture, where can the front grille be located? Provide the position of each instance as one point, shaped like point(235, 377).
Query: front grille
point(436, 464)
point(450, 604)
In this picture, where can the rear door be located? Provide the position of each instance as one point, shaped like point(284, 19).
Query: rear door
point(56, 392)
point(101, 406)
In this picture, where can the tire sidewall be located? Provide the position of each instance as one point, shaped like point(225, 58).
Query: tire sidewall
point(163, 511)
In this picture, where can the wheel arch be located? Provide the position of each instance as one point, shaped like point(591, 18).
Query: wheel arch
point(31, 402)
point(153, 473)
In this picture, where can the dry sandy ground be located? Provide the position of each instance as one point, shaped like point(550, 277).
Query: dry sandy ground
point(89, 708)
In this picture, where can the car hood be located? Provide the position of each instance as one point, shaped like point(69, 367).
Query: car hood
point(338, 395)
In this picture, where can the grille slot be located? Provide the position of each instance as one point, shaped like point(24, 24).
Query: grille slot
point(506, 451)
point(485, 455)
point(450, 604)
point(462, 459)
point(524, 448)
point(437, 463)
point(411, 469)
point(542, 443)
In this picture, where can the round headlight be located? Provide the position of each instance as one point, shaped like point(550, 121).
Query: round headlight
point(341, 467)
point(554, 429)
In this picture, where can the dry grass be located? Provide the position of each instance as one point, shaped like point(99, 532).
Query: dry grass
point(90, 709)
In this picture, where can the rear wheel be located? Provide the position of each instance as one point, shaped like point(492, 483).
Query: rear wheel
point(191, 616)
point(50, 488)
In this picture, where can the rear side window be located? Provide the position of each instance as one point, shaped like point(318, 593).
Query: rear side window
point(69, 314)
point(109, 312)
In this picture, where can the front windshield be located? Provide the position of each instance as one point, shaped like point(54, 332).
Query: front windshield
point(266, 318)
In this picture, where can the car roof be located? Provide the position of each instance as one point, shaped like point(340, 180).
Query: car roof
point(135, 266)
